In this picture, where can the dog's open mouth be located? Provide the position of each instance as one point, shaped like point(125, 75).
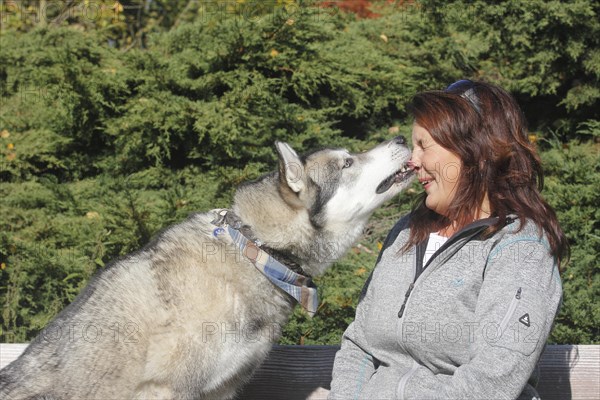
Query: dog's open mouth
point(401, 175)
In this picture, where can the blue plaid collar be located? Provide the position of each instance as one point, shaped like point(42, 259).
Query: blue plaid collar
point(300, 287)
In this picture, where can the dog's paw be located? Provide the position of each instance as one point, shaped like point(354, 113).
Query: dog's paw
point(318, 394)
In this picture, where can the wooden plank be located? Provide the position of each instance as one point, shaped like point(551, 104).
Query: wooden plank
point(10, 352)
point(291, 373)
point(566, 372)
point(570, 372)
point(294, 372)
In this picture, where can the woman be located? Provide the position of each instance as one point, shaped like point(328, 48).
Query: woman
point(467, 286)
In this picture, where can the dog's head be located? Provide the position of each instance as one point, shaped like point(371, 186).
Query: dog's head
point(340, 188)
point(316, 205)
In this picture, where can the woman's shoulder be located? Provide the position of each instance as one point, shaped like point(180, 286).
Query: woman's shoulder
point(396, 237)
point(401, 225)
point(403, 222)
point(524, 243)
point(523, 230)
point(521, 252)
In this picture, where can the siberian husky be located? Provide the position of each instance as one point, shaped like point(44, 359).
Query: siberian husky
point(195, 312)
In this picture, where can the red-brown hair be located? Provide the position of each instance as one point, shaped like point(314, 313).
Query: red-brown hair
point(483, 125)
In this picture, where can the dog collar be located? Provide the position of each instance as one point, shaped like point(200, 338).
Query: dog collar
point(300, 287)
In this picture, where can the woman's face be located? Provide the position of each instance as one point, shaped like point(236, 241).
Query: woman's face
point(437, 169)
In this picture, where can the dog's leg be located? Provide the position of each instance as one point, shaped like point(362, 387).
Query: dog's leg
point(226, 389)
point(225, 393)
point(235, 368)
point(156, 379)
point(153, 390)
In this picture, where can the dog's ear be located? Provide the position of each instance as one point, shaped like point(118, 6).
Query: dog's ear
point(291, 170)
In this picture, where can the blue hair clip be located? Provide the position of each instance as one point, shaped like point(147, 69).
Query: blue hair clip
point(465, 88)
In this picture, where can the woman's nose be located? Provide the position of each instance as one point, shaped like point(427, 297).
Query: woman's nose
point(412, 164)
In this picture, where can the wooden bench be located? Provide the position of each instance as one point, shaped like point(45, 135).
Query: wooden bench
point(567, 372)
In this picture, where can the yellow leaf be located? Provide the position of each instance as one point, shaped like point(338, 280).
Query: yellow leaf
point(379, 246)
point(10, 146)
point(274, 53)
point(384, 37)
point(3, 266)
point(532, 138)
point(92, 215)
point(4, 134)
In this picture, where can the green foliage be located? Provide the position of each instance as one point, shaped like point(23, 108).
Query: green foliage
point(128, 24)
point(108, 134)
point(572, 189)
point(59, 89)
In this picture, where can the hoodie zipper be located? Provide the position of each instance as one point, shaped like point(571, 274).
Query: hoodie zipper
point(439, 251)
point(404, 380)
point(410, 288)
point(511, 309)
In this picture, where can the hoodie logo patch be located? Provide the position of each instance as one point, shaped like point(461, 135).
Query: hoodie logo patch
point(525, 320)
point(458, 282)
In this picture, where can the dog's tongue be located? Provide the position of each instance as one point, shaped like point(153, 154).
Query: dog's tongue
point(385, 185)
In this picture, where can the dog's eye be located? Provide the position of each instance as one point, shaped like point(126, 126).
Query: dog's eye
point(348, 162)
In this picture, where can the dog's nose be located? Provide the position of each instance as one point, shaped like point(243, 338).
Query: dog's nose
point(399, 140)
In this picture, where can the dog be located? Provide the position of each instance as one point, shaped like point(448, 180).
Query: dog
point(195, 312)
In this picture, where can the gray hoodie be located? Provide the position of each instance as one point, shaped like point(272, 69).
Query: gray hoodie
point(472, 325)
